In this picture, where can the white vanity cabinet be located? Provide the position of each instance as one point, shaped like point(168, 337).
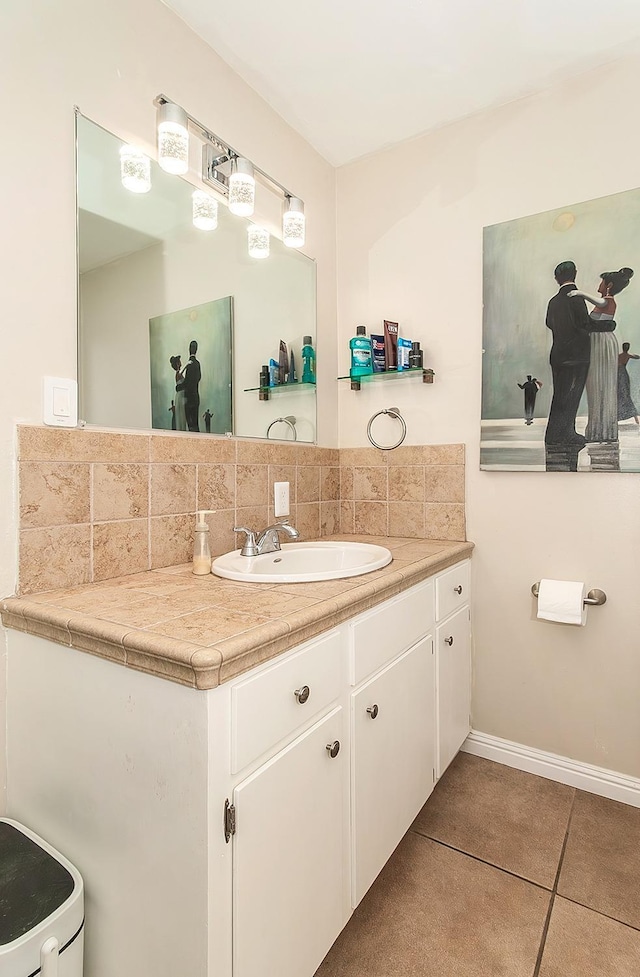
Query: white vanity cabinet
point(321, 759)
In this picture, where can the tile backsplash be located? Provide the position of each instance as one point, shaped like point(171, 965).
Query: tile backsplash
point(98, 504)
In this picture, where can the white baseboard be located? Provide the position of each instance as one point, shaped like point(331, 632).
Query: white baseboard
point(584, 776)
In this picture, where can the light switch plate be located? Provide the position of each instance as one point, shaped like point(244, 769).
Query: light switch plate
point(281, 498)
point(60, 402)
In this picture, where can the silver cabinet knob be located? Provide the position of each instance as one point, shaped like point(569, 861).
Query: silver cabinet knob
point(302, 694)
point(333, 749)
point(458, 589)
point(373, 710)
point(449, 640)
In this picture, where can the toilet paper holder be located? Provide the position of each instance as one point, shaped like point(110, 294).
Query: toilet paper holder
point(594, 596)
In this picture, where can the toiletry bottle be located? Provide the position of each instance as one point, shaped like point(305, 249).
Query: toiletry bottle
point(292, 378)
point(264, 383)
point(201, 549)
point(391, 344)
point(415, 356)
point(273, 373)
point(360, 346)
point(308, 361)
point(403, 350)
point(283, 362)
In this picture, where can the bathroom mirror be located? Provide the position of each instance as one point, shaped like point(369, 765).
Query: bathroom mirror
point(162, 304)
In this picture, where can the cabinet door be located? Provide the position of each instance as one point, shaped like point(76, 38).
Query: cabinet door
point(453, 659)
point(289, 857)
point(393, 726)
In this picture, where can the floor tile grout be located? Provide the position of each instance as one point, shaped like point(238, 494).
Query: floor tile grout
point(598, 912)
point(554, 892)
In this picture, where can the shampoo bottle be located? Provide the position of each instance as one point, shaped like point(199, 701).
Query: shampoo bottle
point(308, 361)
point(201, 548)
point(360, 346)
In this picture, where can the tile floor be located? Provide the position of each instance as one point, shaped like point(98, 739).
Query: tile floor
point(502, 874)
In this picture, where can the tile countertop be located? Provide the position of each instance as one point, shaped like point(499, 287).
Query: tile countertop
point(203, 631)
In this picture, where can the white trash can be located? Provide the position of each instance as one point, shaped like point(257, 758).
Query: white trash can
point(41, 907)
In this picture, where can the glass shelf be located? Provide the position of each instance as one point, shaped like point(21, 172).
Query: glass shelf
point(280, 388)
point(427, 376)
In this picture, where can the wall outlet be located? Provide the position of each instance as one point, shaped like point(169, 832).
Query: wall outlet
point(281, 498)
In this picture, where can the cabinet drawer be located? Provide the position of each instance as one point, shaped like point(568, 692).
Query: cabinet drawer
point(452, 590)
point(384, 633)
point(265, 708)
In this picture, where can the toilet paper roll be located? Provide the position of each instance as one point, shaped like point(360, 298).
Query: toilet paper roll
point(562, 601)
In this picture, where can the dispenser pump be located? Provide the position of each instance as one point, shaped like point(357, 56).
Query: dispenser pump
point(201, 548)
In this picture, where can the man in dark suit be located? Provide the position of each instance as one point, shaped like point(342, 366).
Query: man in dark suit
point(569, 321)
point(192, 375)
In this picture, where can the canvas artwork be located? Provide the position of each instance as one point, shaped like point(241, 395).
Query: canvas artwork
point(191, 368)
point(561, 339)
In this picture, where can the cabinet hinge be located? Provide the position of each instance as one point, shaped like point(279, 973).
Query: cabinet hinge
point(229, 820)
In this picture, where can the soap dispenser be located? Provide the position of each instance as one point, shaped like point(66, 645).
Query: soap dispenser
point(201, 548)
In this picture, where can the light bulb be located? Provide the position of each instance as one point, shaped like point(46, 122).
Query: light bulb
point(258, 241)
point(242, 187)
point(173, 138)
point(205, 211)
point(293, 222)
point(135, 170)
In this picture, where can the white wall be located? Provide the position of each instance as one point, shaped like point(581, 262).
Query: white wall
point(111, 58)
point(410, 249)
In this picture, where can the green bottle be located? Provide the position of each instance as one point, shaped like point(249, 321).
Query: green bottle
point(361, 360)
point(308, 361)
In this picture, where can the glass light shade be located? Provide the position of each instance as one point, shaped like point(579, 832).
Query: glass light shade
point(135, 170)
point(258, 241)
point(173, 139)
point(242, 188)
point(205, 211)
point(293, 222)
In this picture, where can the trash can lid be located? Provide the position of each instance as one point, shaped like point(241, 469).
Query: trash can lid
point(33, 884)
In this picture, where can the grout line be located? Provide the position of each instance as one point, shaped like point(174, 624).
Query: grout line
point(598, 912)
point(547, 922)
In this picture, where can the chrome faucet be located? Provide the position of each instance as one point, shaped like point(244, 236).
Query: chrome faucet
point(268, 541)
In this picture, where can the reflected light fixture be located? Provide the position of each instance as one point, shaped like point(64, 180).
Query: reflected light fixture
point(258, 241)
point(205, 211)
point(242, 187)
point(135, 169)
point(293, 222)
point(173, 138)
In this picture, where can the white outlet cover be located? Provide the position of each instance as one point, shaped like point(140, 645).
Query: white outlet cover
point(60, 402)
point(281, 498)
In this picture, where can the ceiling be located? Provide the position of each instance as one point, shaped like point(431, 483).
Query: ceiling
point(355, 76)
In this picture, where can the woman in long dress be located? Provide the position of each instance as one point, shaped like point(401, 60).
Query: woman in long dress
point(180, 412)
point(626, 407)
point(602, 378)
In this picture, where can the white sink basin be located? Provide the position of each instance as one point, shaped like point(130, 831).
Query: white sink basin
point(300, 562)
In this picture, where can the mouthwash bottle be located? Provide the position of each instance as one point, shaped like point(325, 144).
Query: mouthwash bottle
point(308, 361)
point(361, 360)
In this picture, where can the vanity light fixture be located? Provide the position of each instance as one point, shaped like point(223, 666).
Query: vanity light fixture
point(242, 187)
point(293, 222)
point(135, 169)
point(258, 238)
point(205, 211)
point(231, 174)
point(173, 138)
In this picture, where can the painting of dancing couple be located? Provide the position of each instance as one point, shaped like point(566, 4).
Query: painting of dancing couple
point(561, 339)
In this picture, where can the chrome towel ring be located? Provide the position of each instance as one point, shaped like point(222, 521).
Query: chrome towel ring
point(290, 421)
point(392, 412)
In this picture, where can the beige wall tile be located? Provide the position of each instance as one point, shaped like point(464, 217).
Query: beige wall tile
point(192, 449)
point(406, 519)
point(347, 515)
point(120, 492)
point(309, 454)
point(308, 520)
point(444, 520)
point(120, 547)
point(406, 484)
point(254, 517)
point(261, 453)
point(54, 558)
point(371, 518)
point(281, 453)
point(53, 494)
point(346, 482)
point(171, 540)
point(283, 473)
point(52, 444)
point(308, 483)
point(329, 484)
point(426, 454)
point(222, 538)
point(173, 489)
point(370, 484)
point(362, 457)
point(252, 485)
point(216, 486)
point(444, 483)
point(329, 518)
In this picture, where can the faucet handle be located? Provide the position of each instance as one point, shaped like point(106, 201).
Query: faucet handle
point(250, 547)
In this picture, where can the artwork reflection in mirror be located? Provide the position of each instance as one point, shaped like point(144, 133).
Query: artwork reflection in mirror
point(143, 269)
